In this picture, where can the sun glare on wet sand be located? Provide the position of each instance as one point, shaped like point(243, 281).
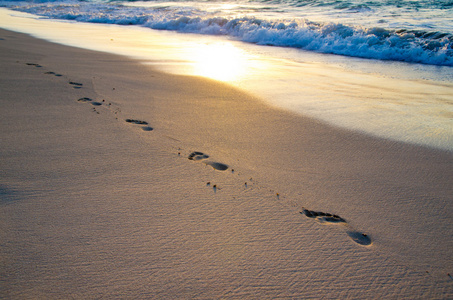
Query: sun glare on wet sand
point(220, 61)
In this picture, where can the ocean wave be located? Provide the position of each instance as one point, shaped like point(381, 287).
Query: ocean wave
point(412, 46)
point(359, 4)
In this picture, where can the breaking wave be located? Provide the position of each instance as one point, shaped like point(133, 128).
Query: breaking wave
point(408, 45)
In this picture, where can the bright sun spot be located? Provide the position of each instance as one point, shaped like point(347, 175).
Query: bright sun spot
point(220, 61)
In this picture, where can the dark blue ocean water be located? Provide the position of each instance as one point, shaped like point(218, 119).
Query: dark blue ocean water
point(398, 30)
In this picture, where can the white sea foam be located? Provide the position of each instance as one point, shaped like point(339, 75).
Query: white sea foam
point(414, 33)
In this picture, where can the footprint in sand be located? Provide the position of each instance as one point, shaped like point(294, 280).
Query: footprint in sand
point(139, 122)
point(358, 237)
point(136, 122)
point(217, 165)
point(89, 100)
point(53, 73)
point(76, 85)
point(33, 64)
point(325, 217)
point(39, 66)
point(201, 156)
point(197, 156)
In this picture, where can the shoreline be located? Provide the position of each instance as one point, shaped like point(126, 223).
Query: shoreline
point(397, 194)
point(373, 97)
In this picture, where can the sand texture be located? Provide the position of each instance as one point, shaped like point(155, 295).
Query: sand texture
point(118, 181)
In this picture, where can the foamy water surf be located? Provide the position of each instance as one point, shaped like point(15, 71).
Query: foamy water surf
point(411, 31)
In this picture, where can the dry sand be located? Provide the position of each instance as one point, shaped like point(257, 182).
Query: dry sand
point(93, 206)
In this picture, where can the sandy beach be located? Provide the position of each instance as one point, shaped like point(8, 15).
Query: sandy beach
point(122, 182)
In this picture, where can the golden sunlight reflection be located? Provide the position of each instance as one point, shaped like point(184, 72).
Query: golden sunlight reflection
point(220, 61)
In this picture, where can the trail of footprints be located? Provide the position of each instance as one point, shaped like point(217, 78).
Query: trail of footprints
point(77, 85)
point(322, 217)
